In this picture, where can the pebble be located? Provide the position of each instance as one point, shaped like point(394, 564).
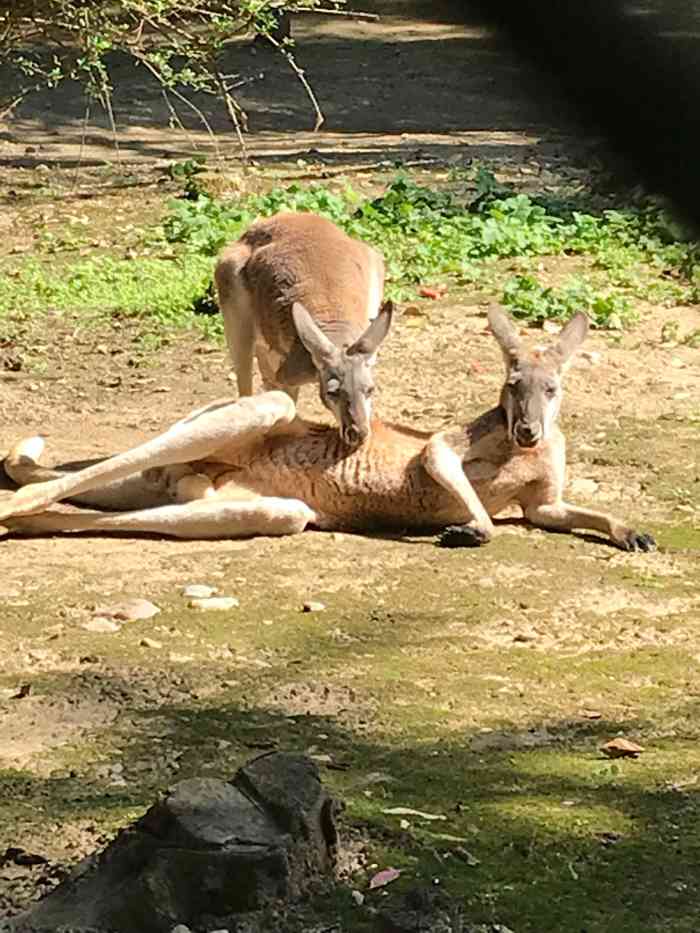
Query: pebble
point(150, 643)
point(312, 606)
point(39, 654)
point(101, 626)
point(199, 591)
point(181, 928)
point(583, 487)
point(220, 603)
point(128, 611)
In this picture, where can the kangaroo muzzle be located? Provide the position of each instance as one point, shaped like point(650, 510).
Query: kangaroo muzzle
point(527, 435)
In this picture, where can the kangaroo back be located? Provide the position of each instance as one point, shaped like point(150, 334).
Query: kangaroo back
point(305, 298)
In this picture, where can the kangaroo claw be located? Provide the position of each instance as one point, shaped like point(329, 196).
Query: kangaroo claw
point(462, 536)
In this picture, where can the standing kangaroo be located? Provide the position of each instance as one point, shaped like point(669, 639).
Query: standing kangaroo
point(305, 298)
point(251, 467)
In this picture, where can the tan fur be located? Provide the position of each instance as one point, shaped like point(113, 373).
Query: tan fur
point(299, 259)
point(252, 467)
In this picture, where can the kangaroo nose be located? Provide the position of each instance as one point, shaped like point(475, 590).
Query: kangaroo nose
point(352, 435)
point(527, 435)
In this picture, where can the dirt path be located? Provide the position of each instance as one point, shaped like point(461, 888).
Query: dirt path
point(382, 95)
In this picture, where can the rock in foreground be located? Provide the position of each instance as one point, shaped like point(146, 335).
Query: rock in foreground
point(208, 851)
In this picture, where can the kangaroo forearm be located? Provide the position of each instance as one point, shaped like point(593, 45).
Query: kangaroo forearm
point(565, 517)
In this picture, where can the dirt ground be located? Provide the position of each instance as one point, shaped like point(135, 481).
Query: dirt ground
point(503, 647)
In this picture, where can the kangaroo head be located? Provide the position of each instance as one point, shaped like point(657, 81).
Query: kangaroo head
point(345, 373)
point(532, 392)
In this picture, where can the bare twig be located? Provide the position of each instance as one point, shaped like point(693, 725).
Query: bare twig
point(106, 101)
point(83, 134)
point(299, 72)
point(9, 109)
point(351, 14)
point(181, 97)
point(234, 111)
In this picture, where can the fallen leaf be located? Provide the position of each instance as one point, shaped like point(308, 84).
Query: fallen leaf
point(434, 292)
point(384, 877)
point(407, 811)
point(621, 748)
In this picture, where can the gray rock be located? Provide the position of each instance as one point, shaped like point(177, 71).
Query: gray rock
point(209, 851)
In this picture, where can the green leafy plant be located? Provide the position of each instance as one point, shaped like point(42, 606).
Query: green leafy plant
point(426, 235)
point(530, 301)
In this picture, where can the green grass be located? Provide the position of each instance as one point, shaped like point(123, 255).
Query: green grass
point(427, 235)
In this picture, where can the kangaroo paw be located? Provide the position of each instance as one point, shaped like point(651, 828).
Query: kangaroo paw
point(463, 536)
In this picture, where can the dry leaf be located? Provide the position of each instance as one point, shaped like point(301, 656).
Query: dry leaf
point(434, 292)
point(621, 748)
point(384, 877)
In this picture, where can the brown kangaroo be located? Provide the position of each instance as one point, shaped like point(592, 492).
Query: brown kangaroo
point(252, 467)
point(305, 298)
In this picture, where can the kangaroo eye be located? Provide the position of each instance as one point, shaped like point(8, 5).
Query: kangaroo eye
point(333, 386)
point(369, 391)
point(550, 391)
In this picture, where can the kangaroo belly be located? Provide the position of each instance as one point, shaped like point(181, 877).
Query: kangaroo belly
point(381, 485)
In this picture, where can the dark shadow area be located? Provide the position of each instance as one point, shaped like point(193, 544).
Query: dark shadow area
point(631, 70)
point(544, 863)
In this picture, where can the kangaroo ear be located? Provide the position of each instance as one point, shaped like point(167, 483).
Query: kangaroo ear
point(322, 350)
point(368, 343)
point(570, 339)
point(505, 333)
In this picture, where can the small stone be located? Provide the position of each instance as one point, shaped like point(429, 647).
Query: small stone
point(358, 897)
point(39, 654)
point(219, 603)
point(176, 658)
point(129, 611)
point(101, 626)
point(181, 928)
point(150, 643)
point(551, 327)
point(583, 487)
point(312, 606)
point(199, 591)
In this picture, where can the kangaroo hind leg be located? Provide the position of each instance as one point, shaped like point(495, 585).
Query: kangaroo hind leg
point(238, 313)
point(223, 426)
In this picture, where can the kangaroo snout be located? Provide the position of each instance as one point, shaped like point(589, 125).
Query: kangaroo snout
point(354, 436)
point(527, 435)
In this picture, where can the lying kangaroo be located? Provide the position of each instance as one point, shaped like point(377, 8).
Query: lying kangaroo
point(305, 299)
point(251, 467)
